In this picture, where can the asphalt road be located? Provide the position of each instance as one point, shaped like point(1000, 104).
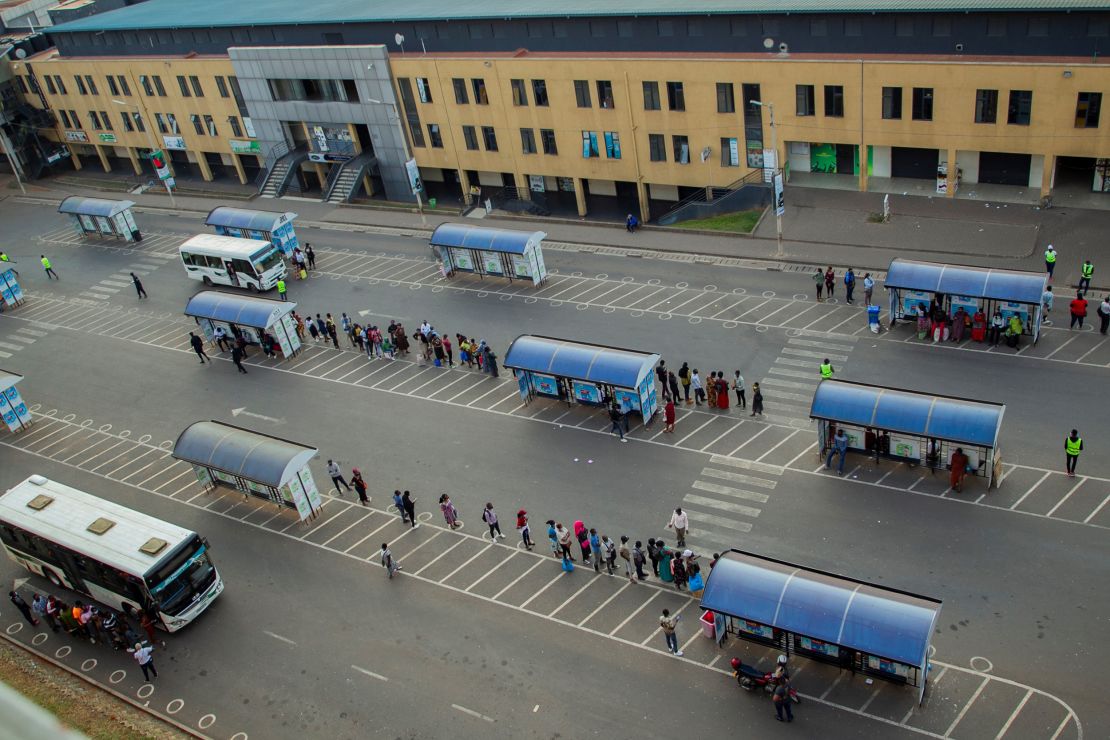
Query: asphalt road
point(309, 637)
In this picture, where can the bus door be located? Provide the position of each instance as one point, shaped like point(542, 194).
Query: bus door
point(231, 274)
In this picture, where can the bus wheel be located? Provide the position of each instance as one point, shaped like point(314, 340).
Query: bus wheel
point(252, 287)
point(53, 578)
point(207, 282)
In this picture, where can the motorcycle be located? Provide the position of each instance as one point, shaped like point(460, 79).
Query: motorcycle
point(751, 678)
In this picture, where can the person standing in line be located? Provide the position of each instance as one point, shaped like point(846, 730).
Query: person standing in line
point(654, 555)
point(958, 469)
point(1073, 445)
point(757, 400)
point(38, 607)
point(839, 447)
point(1104, 315)
point(661, 376)
point(237, 355)
point(490, 362)
point(144, 656)
point(638, 559)
point(868, 288)
point(610, 551)
point(1078, 310)
point(678, 571)
point(668, 416)
point(489, 516)
point(391, 566)
point(336, 476)
point(48, 267)
point(594, 549)
point(23, 607)
point(679, 522)
point(818, 282)
point(1087, 271)
point(1050, 260)
point(446, 342)
point(524, 529)
point(672, 381)
point(583, 536)
point(564, 537)
point(739, 386)
point(849, 284)
point(139, 286)
point(1047, 299)
point(332, 331)
point(553, 535)
point(699, 390)
point(615, 417)
point(345, 324)
point(360, 486)
point(310, 254)
point(830, 281)
point(669, 625)
point(53, 611)
point(684, 378)
point(313, 330)
point(281, 289)
point(450, 513)
point(198, 346)
point(711, 390)
point(410, 507)
point(626, 555)
point(826, 370)
point(399, 502)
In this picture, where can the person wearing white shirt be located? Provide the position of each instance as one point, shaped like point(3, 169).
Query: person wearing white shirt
point(1046, 300)
point(144, 656)
point(699, 390)
point(679, 523)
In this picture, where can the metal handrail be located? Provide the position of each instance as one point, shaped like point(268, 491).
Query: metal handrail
point(755, 176)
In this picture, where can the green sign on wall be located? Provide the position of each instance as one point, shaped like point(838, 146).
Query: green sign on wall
point(245, 147)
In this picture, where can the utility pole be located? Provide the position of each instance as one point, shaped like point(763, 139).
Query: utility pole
point(777, 183)
point(150, 142)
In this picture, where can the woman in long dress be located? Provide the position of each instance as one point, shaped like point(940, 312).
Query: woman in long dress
point(722, 391)
point(757, 400)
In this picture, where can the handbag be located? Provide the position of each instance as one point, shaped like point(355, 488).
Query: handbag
point(696, 583)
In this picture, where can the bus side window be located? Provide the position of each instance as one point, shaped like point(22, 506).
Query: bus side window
point(215, 263)
point(7, 536)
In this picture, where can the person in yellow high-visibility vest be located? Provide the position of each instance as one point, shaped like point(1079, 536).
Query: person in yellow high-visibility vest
point(1050, 260)
point(281, 288)
point(826, 369)
point(1087, 271)
point(47, 266)
point(1073, 445)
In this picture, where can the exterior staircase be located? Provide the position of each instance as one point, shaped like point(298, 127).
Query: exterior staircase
point(286, 162)
point(346, 178)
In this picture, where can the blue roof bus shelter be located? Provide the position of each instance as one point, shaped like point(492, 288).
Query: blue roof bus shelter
point(101, 216)
point(589, 374)
point(910, 427)
point(485, 251)
point(911, 283)
point(864, 627)
point(246, 316)
point(245, 223)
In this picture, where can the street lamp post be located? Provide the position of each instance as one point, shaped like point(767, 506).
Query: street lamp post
point(776, 172)
point(150, 142)
point(408, 154)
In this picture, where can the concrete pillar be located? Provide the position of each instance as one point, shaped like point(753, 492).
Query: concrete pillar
point(321, 175)
point(642, 197)
point(523, 187)
point(863, 168)
point(464, 183)
point(580, 196)
point(368, 185)
point(1048, 175)
point(709, 193)
point(73, 157)
point(205, 170)
point(103, 158)
point(953, 168)
point(135, 163)
point(239, 170)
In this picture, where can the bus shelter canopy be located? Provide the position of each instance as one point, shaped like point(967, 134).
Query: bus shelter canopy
point(267, 460)
point(258, 313)
point(81, 206)
point(920, 414)
point(624, 368)
point(860, 616)
point(481, 237)
point(8, 379)
point(975, 282)
point(245, 218)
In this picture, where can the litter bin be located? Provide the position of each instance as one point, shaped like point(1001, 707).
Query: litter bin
point(708, 627)
point(431, 202)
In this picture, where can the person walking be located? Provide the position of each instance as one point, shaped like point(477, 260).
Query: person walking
point(391, 566)
point(1086, 271)
point(868, 288)
point(336, 475)
point(198, 347)
point(739, 386)
point(144, 656)
point(489, 516)
point(818, 282)
point(679, 522)
point(757, 400)
point(237, 355)
point(849, 284)
point(699, 390)
point(48, 267)
point(830, 281)
point(669, 625)
point(839, 447)
point(23, 607)
point(139, 289)
point(310, 255)
point(615, 417)
point(409, 504)
point(1050, 260)
point(1078, 310)
point(781, 699)
point(1073, 445)
point(399, 502)
point(360, 486)
point(524, 529)
point(668, 416)
point(5, 261)
point(638, 559)
point(625, 553)
point(1104, 315)
point(826, 370)
point(1047, 299)
point(281, 289)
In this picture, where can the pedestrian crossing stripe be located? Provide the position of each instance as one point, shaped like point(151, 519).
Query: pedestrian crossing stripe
point(759, 498)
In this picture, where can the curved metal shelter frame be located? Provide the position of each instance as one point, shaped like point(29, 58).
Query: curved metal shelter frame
point(102, 216)
point(246, 218)
point(874, 629)
point(78, 205)
point(488, 251)
point(259, 313)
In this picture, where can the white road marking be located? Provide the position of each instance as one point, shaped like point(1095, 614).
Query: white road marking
point(278, 637)
point(472, 713)
point(750, 480)
point(728, 506)
point(371, 674)
point(760, 498)
point(967, 706)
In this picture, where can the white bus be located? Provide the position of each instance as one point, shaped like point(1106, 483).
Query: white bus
point(228, 260)
point(117, 556)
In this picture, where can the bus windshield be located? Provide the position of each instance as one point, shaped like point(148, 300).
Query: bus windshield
point(267, 261)
point(185, 576)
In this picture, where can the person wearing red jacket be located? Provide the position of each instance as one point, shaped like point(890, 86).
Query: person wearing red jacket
point(1078, 310)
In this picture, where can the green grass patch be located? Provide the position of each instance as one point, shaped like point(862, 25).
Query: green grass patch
point(742, 222)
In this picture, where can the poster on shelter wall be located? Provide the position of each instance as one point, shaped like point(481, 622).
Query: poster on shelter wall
point(462, 259)
point(545, 385)
point(586, 392)
point(491, 263)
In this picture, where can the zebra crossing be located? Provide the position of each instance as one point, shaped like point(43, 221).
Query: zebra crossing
point(793, 377)
point(18, 338)
point(116, 282)
point(728, 494)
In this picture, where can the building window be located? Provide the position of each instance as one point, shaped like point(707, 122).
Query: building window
point(547, 139)
point(693, 27)
point(123, 85)
point(316, 91)
point(605, 93)
point(161, 122)
point(582, 93)
point(996, 26)
point(210, 125)
point(61, 85)
point(803, 100)
point(676, 98)
point(80, 85)
point(95, 120)
point(892, 103)
point(435, 136)
point(834, 101)
point(1021, 107)
point(1038, 27)
point(527, 141)
point(22, 84)
point(923, 104)
point(589, 145)
point(539, 93)
point(112, 88)
point(412, 115)
point(74, 117)
point(105, 120)
point(470, 137)
point(65, 119)
point(489, 138)
point(184, 85)
point(1087, 109)
point(479, 86)
point(986, 106)
point(942, 26)
point(145, 82)
point(657, 148)
point(612, 144)
point(460, 91)
point(423, 90)
point(158, 87)
point(753, 124)
point(730, 153)
point(681, 146)
point(171, 121)
point(50, 85)
point(194, 82)
point(236, 129)
point(196, 124)
point(520, 95)
point(726, 100)
point(92, 85)
point(651, 95)
point(221, 86)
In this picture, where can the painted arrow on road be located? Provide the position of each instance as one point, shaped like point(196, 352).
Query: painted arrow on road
point(242, 411)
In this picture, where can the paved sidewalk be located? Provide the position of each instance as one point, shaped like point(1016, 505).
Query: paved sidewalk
point(820, 226)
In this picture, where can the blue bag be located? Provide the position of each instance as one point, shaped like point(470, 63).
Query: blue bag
point(696, 582)
point(567, 565)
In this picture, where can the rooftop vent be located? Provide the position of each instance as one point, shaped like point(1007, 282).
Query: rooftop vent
point(101, 525)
